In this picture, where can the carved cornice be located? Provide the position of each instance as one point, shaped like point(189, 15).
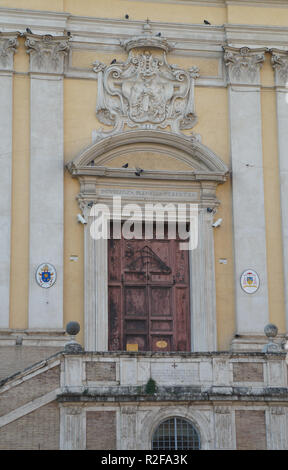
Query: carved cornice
point(47, 53)
point(279, 60)
point(244, 64)
point(8, 45)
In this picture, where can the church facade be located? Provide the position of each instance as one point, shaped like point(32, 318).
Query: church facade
point(144, 198)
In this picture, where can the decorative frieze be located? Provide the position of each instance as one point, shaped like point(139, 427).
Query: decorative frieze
point(244, 64)
point(47, 52)
point(8, 46)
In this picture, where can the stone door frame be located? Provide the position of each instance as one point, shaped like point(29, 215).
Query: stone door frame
point(195, 187)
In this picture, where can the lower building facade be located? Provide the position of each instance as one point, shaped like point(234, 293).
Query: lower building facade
point(147, 401)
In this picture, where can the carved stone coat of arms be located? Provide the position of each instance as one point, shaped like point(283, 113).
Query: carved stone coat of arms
point(145, 91)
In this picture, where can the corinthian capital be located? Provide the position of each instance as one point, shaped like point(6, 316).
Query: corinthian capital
point(244, 64)
point(47, 53)
point(8, 45)
point(279, 60)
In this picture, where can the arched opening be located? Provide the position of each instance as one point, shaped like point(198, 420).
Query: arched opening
point(176, 433)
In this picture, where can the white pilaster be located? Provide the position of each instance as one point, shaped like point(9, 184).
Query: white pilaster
point(72, 428)
point(223, 428)
point(96, 290)
point(8, 44)
point(46, 178)
point(243, 66)
point(203, 297)
point(276, 425)
point(280, 64)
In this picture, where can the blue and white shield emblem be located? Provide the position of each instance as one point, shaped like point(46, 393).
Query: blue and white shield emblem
point(46, 275)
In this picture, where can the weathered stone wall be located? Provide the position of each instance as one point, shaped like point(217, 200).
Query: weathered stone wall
point(38, 430)
point(28, 390)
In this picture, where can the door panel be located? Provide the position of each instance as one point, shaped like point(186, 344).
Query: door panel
point(149, 306)
point(135, 301)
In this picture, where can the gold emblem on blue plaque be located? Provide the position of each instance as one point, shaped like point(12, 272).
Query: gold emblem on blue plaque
point(46, 275)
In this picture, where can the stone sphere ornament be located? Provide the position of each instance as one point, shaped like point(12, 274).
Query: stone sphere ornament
point(271, 330)
point(73, 328)
point(73, 347)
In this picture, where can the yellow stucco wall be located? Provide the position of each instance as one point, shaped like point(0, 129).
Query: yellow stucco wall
point(79, 122)
point(257, 15)
point(19, 274)
point(176, 12)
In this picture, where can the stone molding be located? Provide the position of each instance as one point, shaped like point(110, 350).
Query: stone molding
point(47, 53)
point(244, 64)
point(110, 32)
point(279, 60)
point(200, 156)
point(8, 46)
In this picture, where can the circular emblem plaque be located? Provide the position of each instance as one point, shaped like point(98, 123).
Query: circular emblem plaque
point(46, 275)
point(250, 281)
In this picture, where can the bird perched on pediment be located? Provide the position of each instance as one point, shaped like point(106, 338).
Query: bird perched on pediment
point(138, 171)
point(113, 61)
point(206, 22)
point(125, 166)
point(28, 30)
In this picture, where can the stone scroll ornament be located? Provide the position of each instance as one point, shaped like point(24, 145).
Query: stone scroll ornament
point(145, 92)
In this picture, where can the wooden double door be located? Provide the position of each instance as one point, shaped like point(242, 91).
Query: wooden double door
point(148, 288)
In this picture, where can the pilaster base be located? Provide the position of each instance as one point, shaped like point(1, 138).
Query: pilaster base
point(253, 342)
